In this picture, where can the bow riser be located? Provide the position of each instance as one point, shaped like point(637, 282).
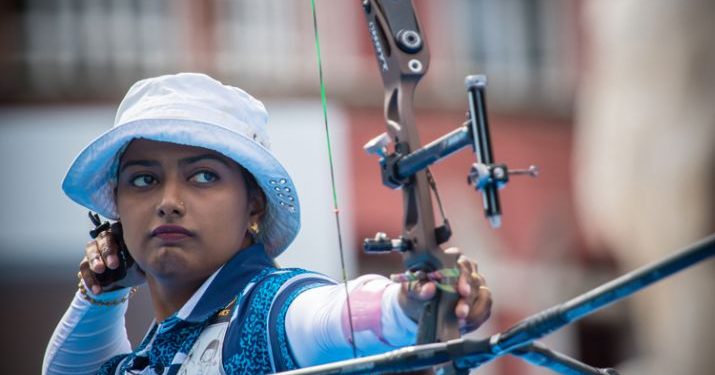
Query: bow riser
point(403, 58)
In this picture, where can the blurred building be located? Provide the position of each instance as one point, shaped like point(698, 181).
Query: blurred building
point(65, 63)
point(645, 165)
point(88, 50)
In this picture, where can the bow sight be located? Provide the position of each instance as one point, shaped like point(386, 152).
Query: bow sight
point(403, 58)
point(485, 175)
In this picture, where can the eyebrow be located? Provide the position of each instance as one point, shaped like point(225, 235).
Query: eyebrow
point(194, 159)
point(187, 160)
point(141, 163)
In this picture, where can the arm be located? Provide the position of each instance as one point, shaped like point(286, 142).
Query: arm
point(318, 327)
point(383, 314)
point(88, 335)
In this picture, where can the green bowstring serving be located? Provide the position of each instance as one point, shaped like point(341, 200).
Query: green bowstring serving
point(336, 209)
point(445, 279)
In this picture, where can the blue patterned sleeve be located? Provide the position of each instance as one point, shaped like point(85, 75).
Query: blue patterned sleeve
point(256, 340)
point(280, 347)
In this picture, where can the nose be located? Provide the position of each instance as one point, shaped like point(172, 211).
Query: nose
point(171, 204)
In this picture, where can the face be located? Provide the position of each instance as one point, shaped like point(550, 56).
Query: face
point(185, 210)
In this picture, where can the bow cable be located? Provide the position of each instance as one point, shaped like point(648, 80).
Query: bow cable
point(324, 102)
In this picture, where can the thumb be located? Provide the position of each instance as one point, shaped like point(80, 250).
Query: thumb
point(420, 291)
point(413, 296)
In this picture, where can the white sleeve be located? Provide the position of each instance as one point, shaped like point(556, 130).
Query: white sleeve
point(318, 327)
point(87, 336)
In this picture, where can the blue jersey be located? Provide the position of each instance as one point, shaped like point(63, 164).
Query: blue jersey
point(234, 324)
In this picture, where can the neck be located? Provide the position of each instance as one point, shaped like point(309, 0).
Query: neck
point(168, 297)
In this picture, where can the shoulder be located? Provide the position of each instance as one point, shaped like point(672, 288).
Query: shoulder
point(255, 340)
point(274, 284)
point(274, 289)
point(290, 280)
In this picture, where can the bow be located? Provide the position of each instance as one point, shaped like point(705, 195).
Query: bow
point(403, 59)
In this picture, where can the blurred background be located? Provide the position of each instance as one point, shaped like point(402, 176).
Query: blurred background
point(612, 99)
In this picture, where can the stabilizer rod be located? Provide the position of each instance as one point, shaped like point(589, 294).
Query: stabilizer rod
point(467, 353)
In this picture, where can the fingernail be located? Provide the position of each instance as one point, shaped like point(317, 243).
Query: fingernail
point(112, 261)
point(96, 289)
point(462, 311)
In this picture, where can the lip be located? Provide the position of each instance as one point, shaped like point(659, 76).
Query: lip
point(171, 233)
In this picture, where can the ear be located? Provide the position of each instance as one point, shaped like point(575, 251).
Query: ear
point(257, 205)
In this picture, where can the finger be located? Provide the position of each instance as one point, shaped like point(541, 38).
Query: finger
point(425, 291)
point(421, 291)
point(89, 278)
point(464, 282)
point(94, 259)
point(477, 280)
point(108, 249)
point(452, 250)
point(473, 266)
point(481, 309)
point(462, 309)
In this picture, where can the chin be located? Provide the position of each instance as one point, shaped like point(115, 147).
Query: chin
point(170, 261)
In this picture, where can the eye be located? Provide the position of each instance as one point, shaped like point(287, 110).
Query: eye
point(204, 177)
point(142, 180)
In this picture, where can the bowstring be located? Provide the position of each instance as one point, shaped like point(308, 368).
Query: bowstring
point(336, 210)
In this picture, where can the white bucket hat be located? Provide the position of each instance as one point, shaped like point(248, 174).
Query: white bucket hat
point(195, 110)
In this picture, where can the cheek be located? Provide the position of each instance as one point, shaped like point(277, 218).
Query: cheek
point(229, 217)
point(130, 215)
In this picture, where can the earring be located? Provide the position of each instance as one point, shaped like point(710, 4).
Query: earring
point(254, 228)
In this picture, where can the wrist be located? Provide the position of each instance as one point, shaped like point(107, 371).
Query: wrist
point(399, 328)
point(113, 297)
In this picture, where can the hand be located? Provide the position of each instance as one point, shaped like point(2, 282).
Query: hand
point(102, 269)
point(474, 305)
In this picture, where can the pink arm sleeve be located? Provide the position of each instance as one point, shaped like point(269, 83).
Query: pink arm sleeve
point(318, 325)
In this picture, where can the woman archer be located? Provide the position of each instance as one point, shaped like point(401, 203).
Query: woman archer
point(204, 208)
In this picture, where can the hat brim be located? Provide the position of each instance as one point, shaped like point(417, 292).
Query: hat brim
point(91, 179)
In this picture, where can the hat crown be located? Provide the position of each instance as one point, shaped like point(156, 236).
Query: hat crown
point(195, 97)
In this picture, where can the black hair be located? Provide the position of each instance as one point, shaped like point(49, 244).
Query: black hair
point(253, 190)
